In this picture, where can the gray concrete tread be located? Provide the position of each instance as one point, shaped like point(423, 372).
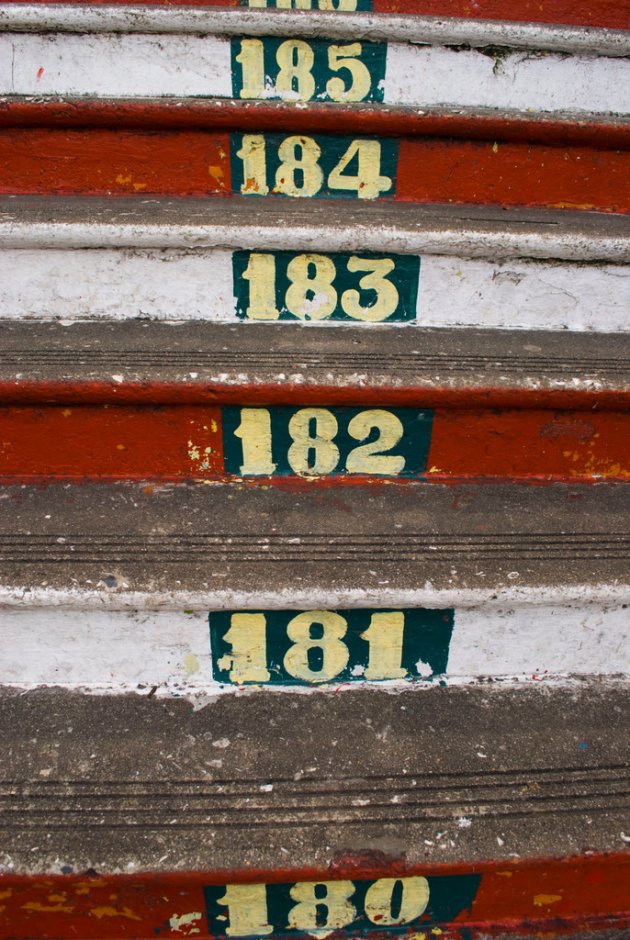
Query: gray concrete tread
point(84, 221)
point(195, 354)
point(233, 543)
point(447, 775)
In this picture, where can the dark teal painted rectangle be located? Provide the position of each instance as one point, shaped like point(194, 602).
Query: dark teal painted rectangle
point(423, 653)
point(324, 453)
point(342, 6)
point(404, 277)
point(348, 906)
point(316, 75)
point(332, 152)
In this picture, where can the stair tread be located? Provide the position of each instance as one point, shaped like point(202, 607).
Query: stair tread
point(194, 355)
point(227, 785)
point(234, 545)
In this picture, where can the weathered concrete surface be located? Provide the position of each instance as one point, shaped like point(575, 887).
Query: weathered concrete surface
point(448, 30)
point(198, 360)
point(227, 545)
point(134, 783)
point(317, 224)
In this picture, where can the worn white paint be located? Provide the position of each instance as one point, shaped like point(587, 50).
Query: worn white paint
point(446, 30)
point(185, 284)
point(117, 65)
point(387, 596)
point(136, 65)
point(170, 649)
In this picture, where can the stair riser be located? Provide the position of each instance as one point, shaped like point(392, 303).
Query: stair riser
point(116, 65)
point(561, 898)
point(103, 161)
point(271, 445)
point(208, 284)
point(184, 652)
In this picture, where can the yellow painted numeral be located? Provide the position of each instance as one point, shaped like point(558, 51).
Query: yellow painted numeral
point(375, 279)
point(315, 274)
point(261, 274)
point(252, 59)
point(312, 896)
point(247, 908)
point(312, 452)
point(345, 5)
point(368, 458)
point(412, 901)
point(295, 80)
point(324, 301)
point(347, 57)
point(299, 173)
point(253, 155)
point(248, 638)
point(385, 638)
point(334, 652)
point(255, 434)
point(368, 182)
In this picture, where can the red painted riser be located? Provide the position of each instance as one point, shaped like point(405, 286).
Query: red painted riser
point(131, 442)
point(532, 898)
point(104, 161)
point(319, 117)
point(608, 13)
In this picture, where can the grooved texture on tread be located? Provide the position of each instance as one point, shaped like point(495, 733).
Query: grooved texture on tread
point(253, 540)
point(236, 782)
point(194, 354)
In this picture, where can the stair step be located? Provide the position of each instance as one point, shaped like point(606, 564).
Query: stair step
point(139, 161)
point(103, 52)
point(89, 258)
point(430, 546)
point(503, 825)
point(217, 402)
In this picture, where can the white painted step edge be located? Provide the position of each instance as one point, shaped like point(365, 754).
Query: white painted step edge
point(101, 597)
point(421, 76)
point(84, 18)
point(197, 284)
point(137, 650)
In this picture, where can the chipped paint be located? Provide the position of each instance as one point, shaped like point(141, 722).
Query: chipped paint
point(180, 921)
point(137, 650)
point(256, 444)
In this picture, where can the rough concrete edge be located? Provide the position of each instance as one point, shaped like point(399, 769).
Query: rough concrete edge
point(375, 26)
point(471, 241)
point(613, 594)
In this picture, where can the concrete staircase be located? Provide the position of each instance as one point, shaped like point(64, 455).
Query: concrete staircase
point(315, 443)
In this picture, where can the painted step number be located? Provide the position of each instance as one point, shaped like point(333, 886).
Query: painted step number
point(296, 70)
point(345, 6)
point(288, 286)
point(302, 167)
point(316, 442)
point(288, 647)
point(319, 908)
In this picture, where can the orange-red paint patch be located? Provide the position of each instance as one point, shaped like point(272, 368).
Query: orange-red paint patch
point(188, 162)
point(593, 891)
